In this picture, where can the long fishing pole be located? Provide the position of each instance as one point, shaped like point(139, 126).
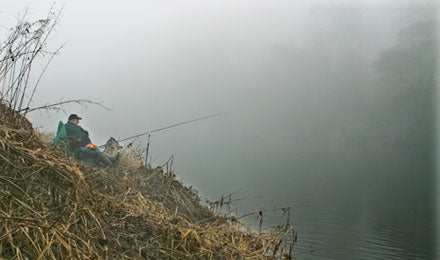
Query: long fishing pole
point(170, 126)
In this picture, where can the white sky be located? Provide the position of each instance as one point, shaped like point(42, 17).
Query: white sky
point(141, 51)
point(156, 63)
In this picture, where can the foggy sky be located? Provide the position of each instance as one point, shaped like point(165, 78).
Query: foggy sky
point(277, 68)
point(162, 62)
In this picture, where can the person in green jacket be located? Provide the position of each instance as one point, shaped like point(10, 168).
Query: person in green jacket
point(80, 146)
point(76, 135)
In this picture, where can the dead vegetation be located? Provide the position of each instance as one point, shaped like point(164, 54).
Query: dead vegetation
point(53, 207)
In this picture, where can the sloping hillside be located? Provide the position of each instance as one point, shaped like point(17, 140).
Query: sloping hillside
point(52, 206)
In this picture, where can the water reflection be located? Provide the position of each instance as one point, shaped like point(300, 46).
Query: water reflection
point(355, 204)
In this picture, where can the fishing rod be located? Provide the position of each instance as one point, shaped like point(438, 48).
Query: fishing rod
point(167, 127)
point(161, 129)
point(170, 126)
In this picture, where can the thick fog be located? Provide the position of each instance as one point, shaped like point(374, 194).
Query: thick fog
point(304, 85)
point(276, 67)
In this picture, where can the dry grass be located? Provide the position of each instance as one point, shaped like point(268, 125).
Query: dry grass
point(51, 206)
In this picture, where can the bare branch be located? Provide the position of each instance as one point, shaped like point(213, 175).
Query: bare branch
point(41, 75)
point(59, 105)
point(27, 41)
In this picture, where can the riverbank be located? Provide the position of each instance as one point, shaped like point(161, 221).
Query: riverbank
point(53, 206)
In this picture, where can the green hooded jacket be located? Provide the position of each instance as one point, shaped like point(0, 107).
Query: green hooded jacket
point(77, 136)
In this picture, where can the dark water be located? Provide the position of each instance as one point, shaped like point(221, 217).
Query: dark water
point(379, 217)
point(353, 202)
point(363, 204)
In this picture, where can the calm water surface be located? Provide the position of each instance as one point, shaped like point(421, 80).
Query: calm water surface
point(349, 202)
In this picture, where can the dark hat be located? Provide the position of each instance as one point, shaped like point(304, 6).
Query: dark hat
point(74, 116)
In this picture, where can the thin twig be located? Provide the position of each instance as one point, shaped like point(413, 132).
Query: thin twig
point(57, 106)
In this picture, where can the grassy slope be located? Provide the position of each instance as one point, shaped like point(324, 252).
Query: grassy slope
point(52, 206)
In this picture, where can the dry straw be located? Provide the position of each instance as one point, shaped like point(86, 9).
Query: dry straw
point(54, 207)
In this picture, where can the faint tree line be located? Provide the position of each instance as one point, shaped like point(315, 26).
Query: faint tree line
point(408, 80)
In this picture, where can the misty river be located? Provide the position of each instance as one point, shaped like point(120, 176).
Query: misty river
point(348, 200)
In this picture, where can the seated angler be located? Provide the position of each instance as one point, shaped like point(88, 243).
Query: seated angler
point(80, 146)
point(77, 137)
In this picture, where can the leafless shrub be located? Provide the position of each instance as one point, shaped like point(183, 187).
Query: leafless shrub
point(26, 42)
